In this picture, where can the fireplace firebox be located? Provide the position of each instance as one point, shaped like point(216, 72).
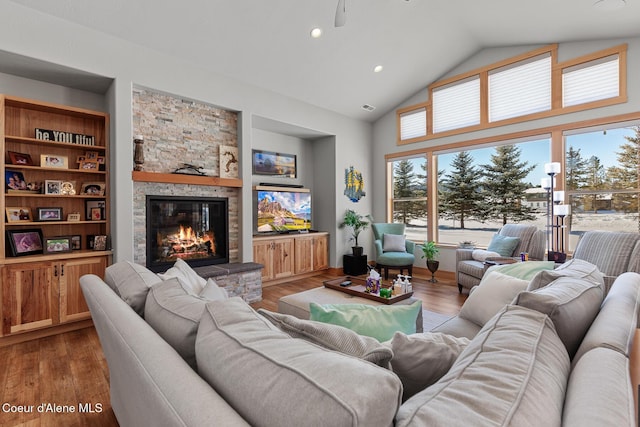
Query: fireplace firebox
point(194, 229)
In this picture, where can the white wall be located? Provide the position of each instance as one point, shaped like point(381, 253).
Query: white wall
point(27, 32)
point(384, 130)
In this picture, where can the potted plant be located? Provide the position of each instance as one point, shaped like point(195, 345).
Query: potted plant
point(357, 223)
point(429, 251)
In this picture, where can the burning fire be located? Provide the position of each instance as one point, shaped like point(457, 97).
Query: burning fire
point(186, 243)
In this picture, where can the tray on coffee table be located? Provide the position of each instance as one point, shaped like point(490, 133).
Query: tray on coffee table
point(357, 288)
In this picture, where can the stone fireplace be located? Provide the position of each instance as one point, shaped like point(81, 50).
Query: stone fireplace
point(194, 229)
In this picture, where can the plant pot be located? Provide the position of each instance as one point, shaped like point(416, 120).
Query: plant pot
point(433, 267)
point(357, 250)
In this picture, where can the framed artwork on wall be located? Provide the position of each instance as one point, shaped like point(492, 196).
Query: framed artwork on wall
point(274, 164)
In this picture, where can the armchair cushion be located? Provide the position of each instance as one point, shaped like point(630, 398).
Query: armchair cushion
point(482, 255)
point(393, 243)
point(504, 245)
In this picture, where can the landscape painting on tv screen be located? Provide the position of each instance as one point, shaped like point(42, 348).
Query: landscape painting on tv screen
point(283, 211)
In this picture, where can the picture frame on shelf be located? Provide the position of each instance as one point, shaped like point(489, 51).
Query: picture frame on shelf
point(96, 214)
point(52, 187)
point(49, 214)
point(22, 159)
point(14, 181)
point(76, 242)
point(81, 159)
point(58, 244)
point(24, 242)
point(89, 165)
point(93, 204)
point(93, 188)
point(67, 188)
point(18, 214)
point(100, 243)
point(73, 217)
point(54, 161)
point(92, 155)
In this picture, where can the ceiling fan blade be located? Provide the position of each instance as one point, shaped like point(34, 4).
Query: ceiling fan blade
point(341, 14)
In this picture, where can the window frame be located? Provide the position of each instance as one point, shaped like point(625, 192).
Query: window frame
point(556, 91)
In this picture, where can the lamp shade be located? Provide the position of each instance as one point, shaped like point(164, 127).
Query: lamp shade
point(552, 168)
point(562, 210)
point(558, 196)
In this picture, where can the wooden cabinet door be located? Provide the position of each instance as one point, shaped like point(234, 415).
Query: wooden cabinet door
point(320, 252)
point(72, 304)
point(29, 297)
point(263, 254)
point(283, 258)
point(303, 255)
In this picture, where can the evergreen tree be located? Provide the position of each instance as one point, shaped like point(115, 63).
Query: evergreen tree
point(405, 186)
point(576, 173)
point(595, 181)
point(624, 176)
point(505, 187)
point(460, 194)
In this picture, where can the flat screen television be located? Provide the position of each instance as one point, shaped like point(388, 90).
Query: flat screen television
point(283, 209)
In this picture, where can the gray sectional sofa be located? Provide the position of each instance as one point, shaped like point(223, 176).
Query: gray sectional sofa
point(516, 370)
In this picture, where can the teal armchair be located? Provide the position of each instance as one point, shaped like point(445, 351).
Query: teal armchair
point(393, 250)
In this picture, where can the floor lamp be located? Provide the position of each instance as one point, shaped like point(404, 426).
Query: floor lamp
point(553, 253)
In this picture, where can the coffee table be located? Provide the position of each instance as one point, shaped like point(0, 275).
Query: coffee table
point(298, 304)
point(357, 288)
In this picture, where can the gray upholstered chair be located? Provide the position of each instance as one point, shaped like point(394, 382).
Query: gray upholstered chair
point(612, 252)
point(396, 251)
point(469, 271)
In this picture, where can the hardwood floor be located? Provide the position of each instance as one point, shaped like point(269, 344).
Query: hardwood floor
point(69, 370)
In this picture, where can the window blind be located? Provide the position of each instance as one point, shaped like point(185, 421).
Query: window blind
point(520, 89)
point(591, 81)
point(457, 105)
point(413, 124)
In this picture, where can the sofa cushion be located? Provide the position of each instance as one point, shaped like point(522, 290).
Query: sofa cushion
point(332, 337)
point(212, 291)
point(131, 282)
point(617, 320)
point(175, 315)
point(379, 322)
point(571, 268)
point(458, 327)
point(191, 281)
point(514, 372)
point(571, 302)
point(494, 292)
point(272, 379)
point(524, 270)
point(600, 392)
point(393, 243)
point(503, 245)
point(420, 360)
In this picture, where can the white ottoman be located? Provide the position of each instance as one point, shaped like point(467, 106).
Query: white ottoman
point(298, 304)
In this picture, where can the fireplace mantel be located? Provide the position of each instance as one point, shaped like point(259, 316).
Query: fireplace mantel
point(175, 178)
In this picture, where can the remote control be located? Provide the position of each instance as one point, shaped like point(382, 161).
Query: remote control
point(345, 283)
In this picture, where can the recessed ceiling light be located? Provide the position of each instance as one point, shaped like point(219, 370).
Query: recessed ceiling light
point(377, 68)
point(316, 32)
point(609, 4)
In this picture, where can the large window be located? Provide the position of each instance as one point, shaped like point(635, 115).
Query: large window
point(457, 105)
point(409, 195)
point(601, 168)
point(480, 189)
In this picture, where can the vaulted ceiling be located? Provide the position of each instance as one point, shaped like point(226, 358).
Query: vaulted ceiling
point(267, 43)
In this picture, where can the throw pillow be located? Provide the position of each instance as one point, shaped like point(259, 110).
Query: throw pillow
point(393, 243)
point(213, 292)
point(503, 245)
point(571, 268)
point(248, 360)
point(332, 337)
point(131, 282)
point(482, 255)
point(189, 278)
point(175, 316)
point(571, 302)
point(422, 359)
point(525, 270)
point(379, 322)
point(494, 292)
